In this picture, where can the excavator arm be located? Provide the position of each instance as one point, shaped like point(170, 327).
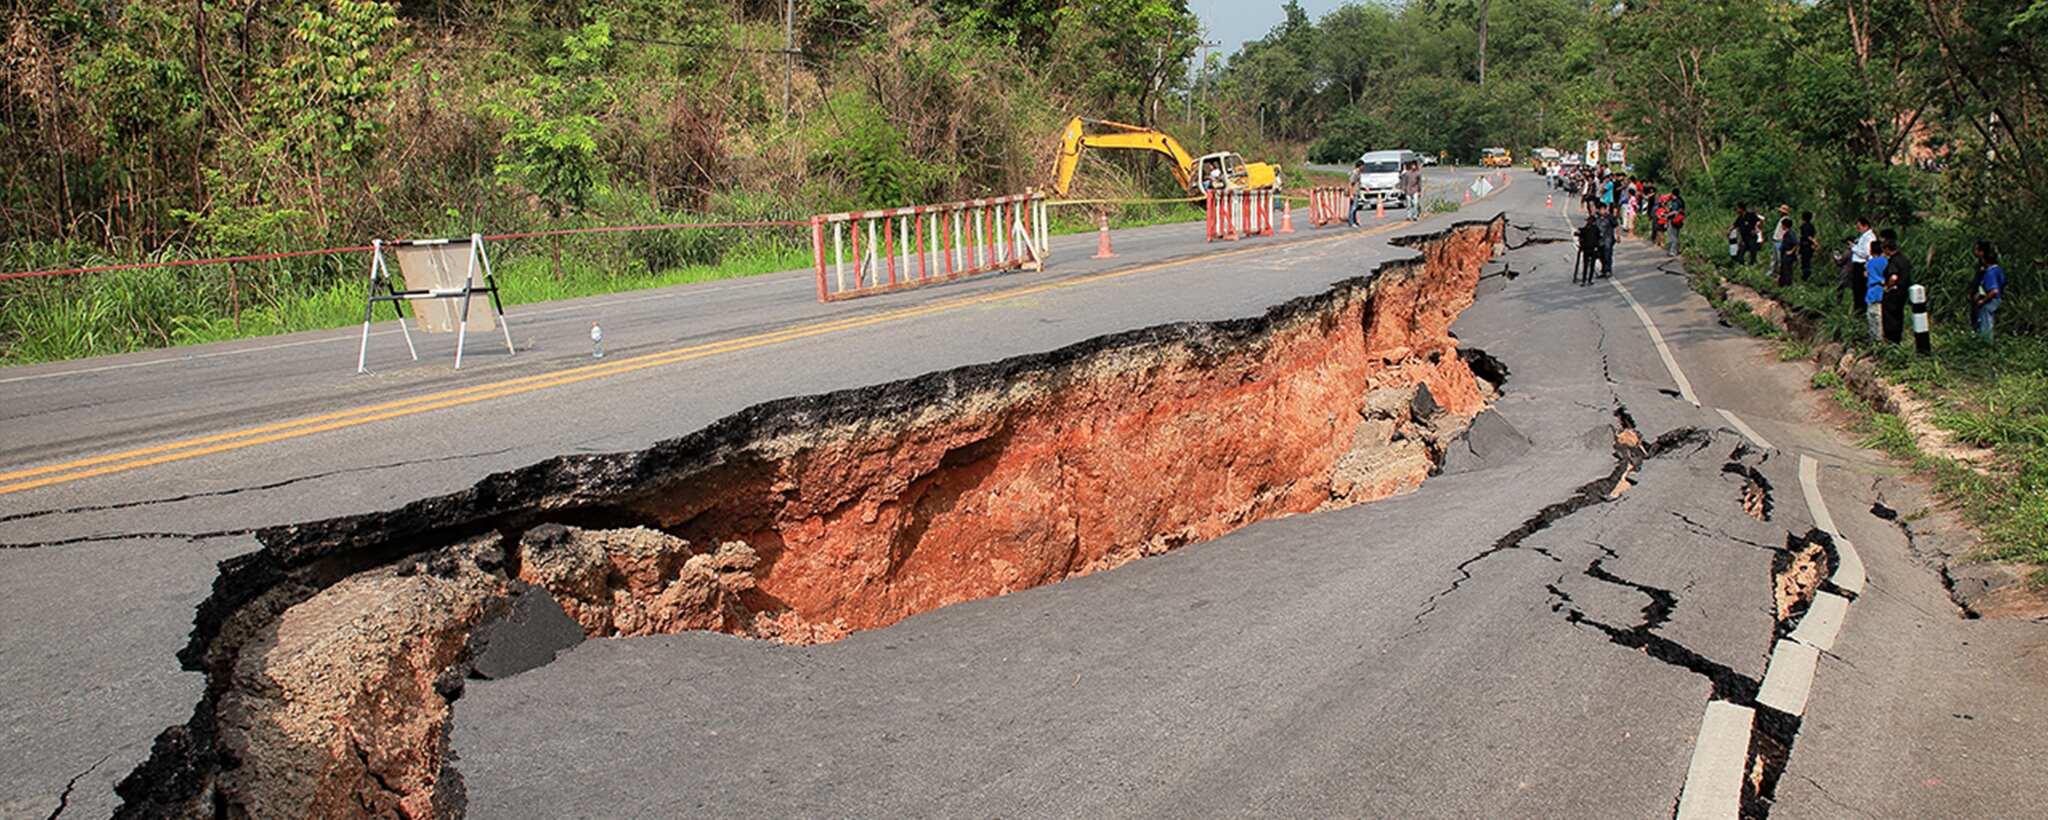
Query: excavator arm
point(1085, 133)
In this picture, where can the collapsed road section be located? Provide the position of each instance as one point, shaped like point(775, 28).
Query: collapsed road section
point(333, 655)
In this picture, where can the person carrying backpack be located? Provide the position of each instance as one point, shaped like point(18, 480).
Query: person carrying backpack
point(1898, 281)
point(1589, 250)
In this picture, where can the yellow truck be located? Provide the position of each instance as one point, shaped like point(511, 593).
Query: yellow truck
point(1220, 171)
point(1496, 158)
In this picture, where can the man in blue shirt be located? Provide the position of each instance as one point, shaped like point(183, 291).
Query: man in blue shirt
point(1873, 287)
point(1990, 288)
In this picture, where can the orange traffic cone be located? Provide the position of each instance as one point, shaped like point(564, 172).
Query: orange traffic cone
point(1379, 209)
point(1102, 250)
point(1468, 196)
point(1287, 216)
point(1547, 204)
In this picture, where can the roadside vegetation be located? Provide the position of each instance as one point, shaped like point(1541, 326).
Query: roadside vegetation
point(1917, 115)
point(155, 130)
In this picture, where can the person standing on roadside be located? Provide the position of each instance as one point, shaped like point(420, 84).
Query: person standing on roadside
point(1748, 234)
point(1898, 279)
point(1788, 251)
point(1609, 227)
point(1656, 206)
point(1589, 250)
point(1411, 188)
point(1357, 173)
point(1990, 289)
point(1784, 224)
point(1625, 206)
point(1873, 289)
point(1676, 218)
point(1853, 278)
point(1809, 242)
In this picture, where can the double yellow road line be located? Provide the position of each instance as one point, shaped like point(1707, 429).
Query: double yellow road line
point(30, 478)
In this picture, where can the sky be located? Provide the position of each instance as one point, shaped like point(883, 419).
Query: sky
point(1232, 22)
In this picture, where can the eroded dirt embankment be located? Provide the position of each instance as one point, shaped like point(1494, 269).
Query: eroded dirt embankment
point(333, 654)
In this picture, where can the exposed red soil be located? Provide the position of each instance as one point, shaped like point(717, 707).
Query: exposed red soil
point(334, 655)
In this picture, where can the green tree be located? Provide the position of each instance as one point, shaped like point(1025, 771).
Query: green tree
point(550, 142)
point(1116, 56)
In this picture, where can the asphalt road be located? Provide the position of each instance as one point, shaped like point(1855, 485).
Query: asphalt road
point(1381, 660)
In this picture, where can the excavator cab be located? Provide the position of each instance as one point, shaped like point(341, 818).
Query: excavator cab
point(1219, 171)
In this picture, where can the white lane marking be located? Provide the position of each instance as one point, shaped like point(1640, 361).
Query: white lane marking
point(1747, 431)
point(1790, 678)
point(1656, 338)
point(1713, 783)
point(1809, 483)
point(1849, 574)
point(1823, 621)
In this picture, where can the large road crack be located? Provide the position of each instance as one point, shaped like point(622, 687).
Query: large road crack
point(1728, 684)
point(1629, 457)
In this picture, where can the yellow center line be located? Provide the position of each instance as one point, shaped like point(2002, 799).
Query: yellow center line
point(43, 476)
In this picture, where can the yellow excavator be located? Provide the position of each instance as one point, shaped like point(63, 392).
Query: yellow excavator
point(1223, 170)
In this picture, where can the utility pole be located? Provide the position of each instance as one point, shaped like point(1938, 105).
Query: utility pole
point(788, 54)
point(1201, 79)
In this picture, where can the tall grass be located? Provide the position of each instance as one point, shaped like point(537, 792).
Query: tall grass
point(116, 312)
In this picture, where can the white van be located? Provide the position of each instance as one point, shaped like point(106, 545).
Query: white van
point(1381, 181)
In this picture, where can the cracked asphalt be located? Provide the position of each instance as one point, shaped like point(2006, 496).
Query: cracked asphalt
point(1513, 639)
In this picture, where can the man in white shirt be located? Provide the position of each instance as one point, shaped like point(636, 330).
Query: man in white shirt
point(1853, 267)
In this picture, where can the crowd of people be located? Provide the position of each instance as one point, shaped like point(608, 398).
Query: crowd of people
point(1875, 279)
point(1617, 204)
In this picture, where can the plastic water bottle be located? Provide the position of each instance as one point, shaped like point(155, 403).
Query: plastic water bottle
point(596, 341)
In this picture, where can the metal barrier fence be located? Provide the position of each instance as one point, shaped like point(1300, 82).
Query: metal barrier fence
point(1328, 205)
point(1234, 215)
point(926, 244)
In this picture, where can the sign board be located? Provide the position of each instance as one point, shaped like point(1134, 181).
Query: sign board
point(444, 268)
point(1592, 152)
point(450, 285)
point(1615, 154)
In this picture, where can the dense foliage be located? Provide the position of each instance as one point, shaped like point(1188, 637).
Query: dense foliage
point(149, 128)
point(1930, 116)
point(160, 128)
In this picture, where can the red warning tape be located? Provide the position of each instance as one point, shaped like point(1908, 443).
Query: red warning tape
point(182, 263)
point(268, 257)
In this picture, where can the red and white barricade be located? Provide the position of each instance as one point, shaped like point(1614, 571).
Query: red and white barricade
point(865, 252)
point(1328, 206)
point(1238, 214)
